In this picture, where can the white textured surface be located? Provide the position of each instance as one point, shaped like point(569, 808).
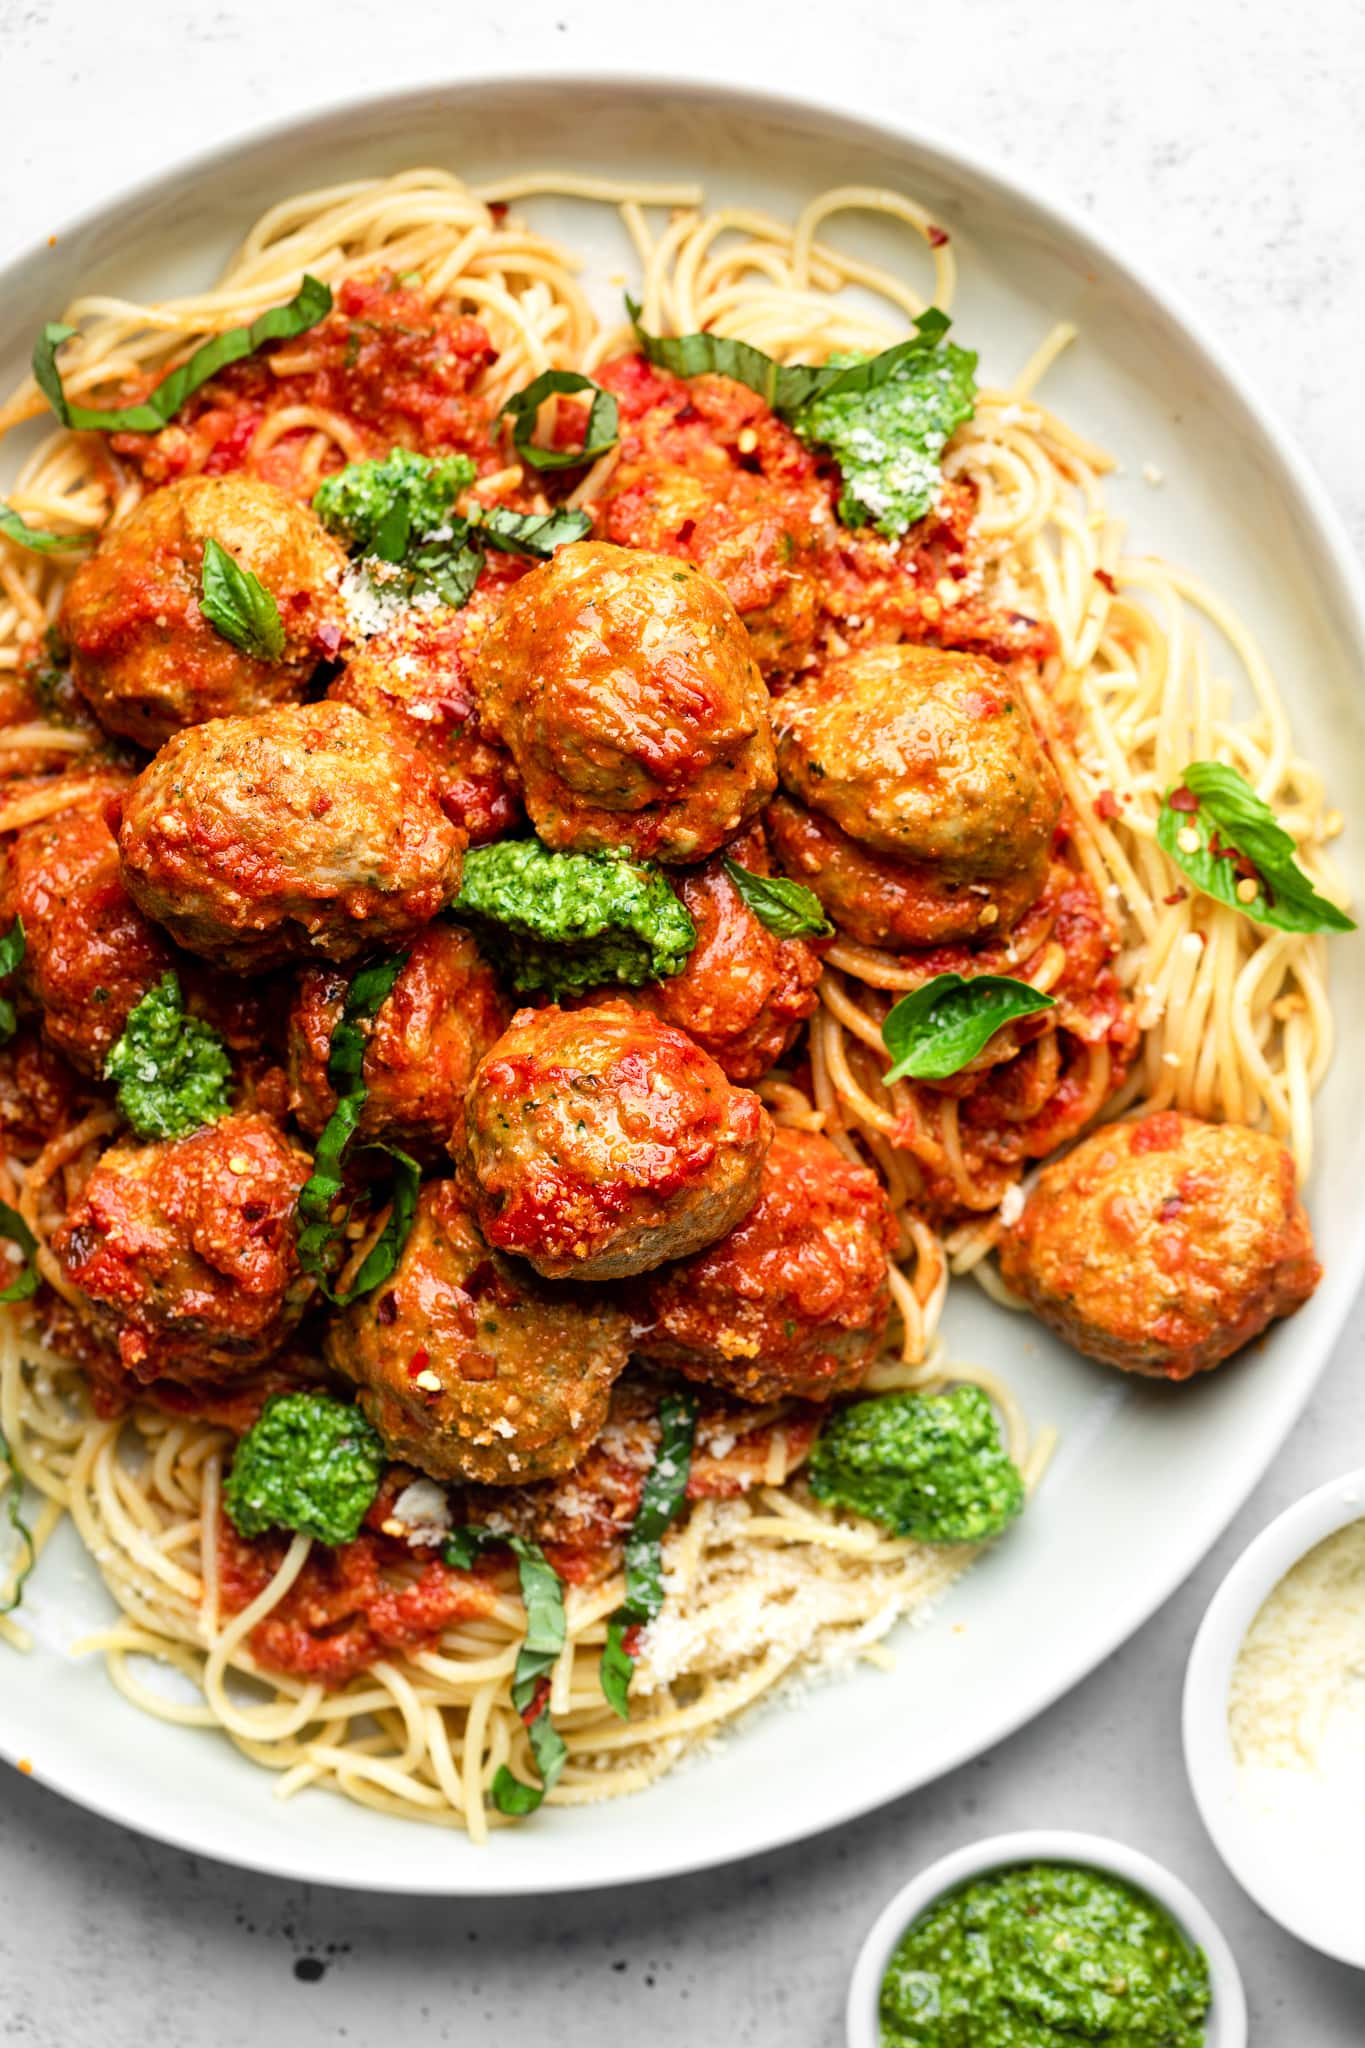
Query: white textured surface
point(1222, 146)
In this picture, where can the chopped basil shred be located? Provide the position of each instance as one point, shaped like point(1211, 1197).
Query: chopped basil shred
point(1238, 840)
point(311, 303)
point(237, 604)
point(33, 538)
point(542, 1593)
point(788, 909)
point(600, 427)
point(14, 1507)
point(28, 1281)
point(173, 1071)
point(320, 1240)
point(12, 945)
point(664, 1491)
point(940, 1028)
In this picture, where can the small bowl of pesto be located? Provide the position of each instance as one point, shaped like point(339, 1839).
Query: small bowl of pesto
point(1040, 1940)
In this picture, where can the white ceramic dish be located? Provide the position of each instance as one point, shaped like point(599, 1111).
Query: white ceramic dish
point(1274, 1862)
point(1146, 1476)
point(1227, 2021)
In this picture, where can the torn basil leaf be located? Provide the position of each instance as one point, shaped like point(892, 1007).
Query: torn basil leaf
point(787, 909)
point(237, 604)
point(665, 1489)
point(542, 1593)
point(940, 1028)
point(533, 534)
point(28, 1281)
point(600, 428)
point(12, 944)
point(1227, 841)
point(33, 538)
point(311, 303)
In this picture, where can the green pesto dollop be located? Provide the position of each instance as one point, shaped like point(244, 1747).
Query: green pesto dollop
point(308, 1463)
point(889, 442)
point(570, 921)
point(377, 507)
point(931, 1466)
point(1040, 1957)
point(172, 1070)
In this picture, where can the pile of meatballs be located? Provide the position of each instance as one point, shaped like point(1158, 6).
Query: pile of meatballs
point(601, 1181)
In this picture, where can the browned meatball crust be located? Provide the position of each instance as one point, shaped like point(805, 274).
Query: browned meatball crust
point(303, 829)
point(1165, 1245)
point(184, 1252)
point(600, 1142)
point(795, 1300)
point(441, 1016)
point(144, 654)
point(468, 1365)
point(624, 687)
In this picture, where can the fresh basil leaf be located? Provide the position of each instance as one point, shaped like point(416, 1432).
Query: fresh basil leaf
point(26, 1285)
point(533, 534)
point(320, 1241)
point(940, 1028)
point(450, 568)
point(12, 945)
point(785, 387)
point(511, 1795)
point(311, 303)
point(15, 1509)
point(664, 1491)
point(33, 538)
point(600, 428)
point(1222, 812)
point(237, 604)
point(788, 909)
point(542, 1593)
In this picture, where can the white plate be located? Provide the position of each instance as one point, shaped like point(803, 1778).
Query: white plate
point(1146, 1476)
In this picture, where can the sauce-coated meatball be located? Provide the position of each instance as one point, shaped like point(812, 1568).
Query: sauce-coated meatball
point(145, 656)
point(624, 687)
point(303, 829)
point(1165, 1245)
point(744, 993)
point(184, 1252)
point(441, 1016)
point(600, 1142)
point(417, 680)
point(795, 1300)
point(89, 953)
point(471, 1367)
point(924, 758)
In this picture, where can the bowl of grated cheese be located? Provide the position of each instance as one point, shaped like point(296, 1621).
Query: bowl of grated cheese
point(1274, 1718)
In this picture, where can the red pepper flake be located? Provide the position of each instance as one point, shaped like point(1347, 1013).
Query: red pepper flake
point(1176, 896)
point(497, 209)
point(632, 1639)
point(537, 1703)
point(328, 637)
point(937, 236)
point(1107, 806)
point(686, 531)
point(1183, 799)
point(386, 1308)
point(418, 1362)
point(1170, 1208)
point(1103, 576)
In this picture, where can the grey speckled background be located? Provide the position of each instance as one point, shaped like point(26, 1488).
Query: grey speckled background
point(1222, 145)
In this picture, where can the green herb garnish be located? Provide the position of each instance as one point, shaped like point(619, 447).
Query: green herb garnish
point(28, 1281)
point(940, 1028)
point(600, 427)
point(237, 604)
point(1239, 854)
point(309, 1463)
point(321, 1241)
point(931, 1466)
point(570, 921)
point(788, 909)
point(12, 944)
point(33, 538)
point(311, 303)
point(14, 1507)
point(542, 1593)
point(172, 1070)
point(664, 1491)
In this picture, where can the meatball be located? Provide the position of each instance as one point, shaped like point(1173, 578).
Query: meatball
point(443, 1013)
point(600, 1142)
point(89, 953)
point(39, 1095)
point(145, 655)
point(795, 1300)
point(623, 685)
point(301, 829)
point(744, 993)
point(416, 681)
point(184, 1252)
point(925, 758)
point(1165, 1245)
point(471, 1367)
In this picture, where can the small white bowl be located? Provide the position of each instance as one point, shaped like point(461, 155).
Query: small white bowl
point(1255, 1851)
point(1227, 2021)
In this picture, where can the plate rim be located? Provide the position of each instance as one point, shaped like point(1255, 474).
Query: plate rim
point(1327, 530)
